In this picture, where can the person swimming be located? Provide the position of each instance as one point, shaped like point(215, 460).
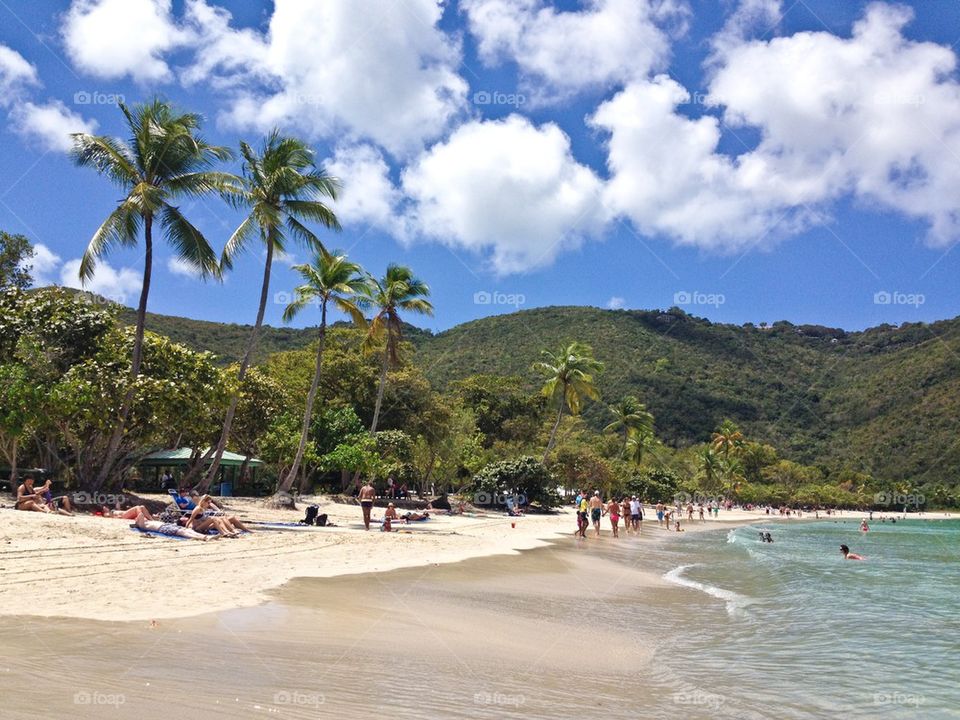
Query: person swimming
point(847, 555)
point(864, 527)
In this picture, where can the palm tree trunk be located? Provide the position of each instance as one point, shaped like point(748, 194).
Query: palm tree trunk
point(110, 456)
point(553, 433)
point(383, 385)
point(244, 364)
point(311, 396)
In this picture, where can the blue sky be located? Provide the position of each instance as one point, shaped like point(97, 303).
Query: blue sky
point(749, 161)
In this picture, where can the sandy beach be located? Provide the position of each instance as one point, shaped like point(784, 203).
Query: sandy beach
point(98, 568)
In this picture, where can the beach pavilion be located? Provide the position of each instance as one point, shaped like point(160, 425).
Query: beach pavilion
point(235, 476)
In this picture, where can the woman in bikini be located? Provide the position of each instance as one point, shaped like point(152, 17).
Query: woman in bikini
point(229, 527)
point(613, 510)
point(130, 514)
point(30, 499)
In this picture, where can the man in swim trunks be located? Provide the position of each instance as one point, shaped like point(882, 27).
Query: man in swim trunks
point(636, 514)
point(613, 510)
point(596, 511)
point(367, 496)
point(660, 510)
point(847, 555)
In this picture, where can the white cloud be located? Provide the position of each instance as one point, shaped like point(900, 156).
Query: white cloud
point(748, 17)
point(874, 116)
point(608, 42)
point(367, 194)
point(50, 124)
point(179, 266)
point(362, 69)
point(116, 285)
point(43, 265)
point(15, 74)
point(114, 38)
point(507, 188)
point(616, 303)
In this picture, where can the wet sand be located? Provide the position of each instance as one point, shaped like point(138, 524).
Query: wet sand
point(552, 633)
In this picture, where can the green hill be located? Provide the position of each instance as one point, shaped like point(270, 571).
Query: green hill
point(884, 401)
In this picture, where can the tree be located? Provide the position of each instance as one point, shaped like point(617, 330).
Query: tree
point(570, 378)
point(631, 418)
point(282, 189)
point(399, 290)
point(20, 408)
point(330, 278)
point(525, 478)
point(15, 254)
point(163, 161)
point(727, 439)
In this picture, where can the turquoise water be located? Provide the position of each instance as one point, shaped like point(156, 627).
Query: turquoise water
point(791, 630)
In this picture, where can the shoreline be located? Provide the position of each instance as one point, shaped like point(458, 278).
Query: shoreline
point(88, 567)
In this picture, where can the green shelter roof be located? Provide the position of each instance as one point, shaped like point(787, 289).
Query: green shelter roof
point(182, 456)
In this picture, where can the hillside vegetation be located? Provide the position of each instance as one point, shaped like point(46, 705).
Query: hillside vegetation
point(883, 401)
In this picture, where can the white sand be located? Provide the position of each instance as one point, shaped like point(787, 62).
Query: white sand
point(98, 568)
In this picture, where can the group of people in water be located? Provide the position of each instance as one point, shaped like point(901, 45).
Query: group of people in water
point(591, 509)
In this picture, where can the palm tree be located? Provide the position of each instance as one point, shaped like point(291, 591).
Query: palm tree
point(631, 417)
point(163, 161)
point(331, 278)
point(727, 439)
point(637, 445)
point(282, 189)
point(710, 466)
point(398, 290)
point(569, 380)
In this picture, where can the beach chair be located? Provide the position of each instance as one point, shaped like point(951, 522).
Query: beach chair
point(187, 505)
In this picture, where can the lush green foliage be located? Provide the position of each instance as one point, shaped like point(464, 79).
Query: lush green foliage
point(15, 255)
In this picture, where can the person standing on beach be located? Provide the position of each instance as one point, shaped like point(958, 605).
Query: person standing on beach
point(583, 510)
point(613, 510)
point(660, 510)
point(367, 496)
point(596, 511)
point(701, 513)
point(636, 514)
point(625, 512)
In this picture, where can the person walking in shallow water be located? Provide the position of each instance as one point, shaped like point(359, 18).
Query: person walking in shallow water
point(596, 511)
point(367, 496)
point(613, 510)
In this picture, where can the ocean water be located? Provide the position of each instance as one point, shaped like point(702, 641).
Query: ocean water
point(695, 626)
point(791, 630)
